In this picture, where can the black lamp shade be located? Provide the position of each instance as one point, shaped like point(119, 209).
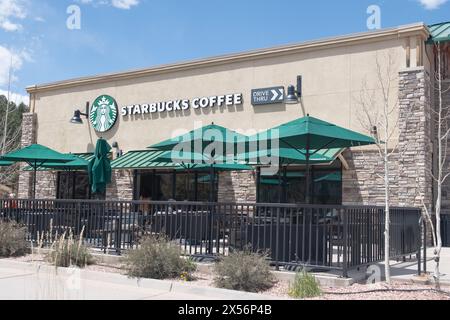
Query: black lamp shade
point(76, 117)
point(291, 97)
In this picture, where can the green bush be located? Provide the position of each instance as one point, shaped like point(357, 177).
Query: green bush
point(304, 286)
point(12, 239)
point(158, 258)
point(66, 252)
point(245, 271)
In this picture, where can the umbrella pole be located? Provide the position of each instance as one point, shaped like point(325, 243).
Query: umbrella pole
point(307, 193)
point(280, 187)
point(284, 184)
point(34, 180)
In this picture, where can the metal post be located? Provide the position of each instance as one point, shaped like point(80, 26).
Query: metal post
point(34, 180)
point(345, 249)
point(211, 200)
point(258, 181)
point(425, 247)
point(307, 195)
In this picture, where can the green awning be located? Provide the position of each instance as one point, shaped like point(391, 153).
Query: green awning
point(141, 159)
point(440, 32)
point(5, 163)
point(217, 167)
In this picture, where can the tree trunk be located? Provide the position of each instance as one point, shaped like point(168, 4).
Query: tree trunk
point(387, 222)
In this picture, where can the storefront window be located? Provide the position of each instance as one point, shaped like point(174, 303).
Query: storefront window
point(326, 186)
point(193, 186)
point(74, 185)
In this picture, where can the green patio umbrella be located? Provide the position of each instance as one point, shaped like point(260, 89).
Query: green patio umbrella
point(99, 168)
point(36, 155)
point(309, 135)
point(202, 137)
point(77, 163)
point(288, 156)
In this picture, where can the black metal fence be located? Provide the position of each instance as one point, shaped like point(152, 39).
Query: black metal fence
point(328, 237)
point(445, 228)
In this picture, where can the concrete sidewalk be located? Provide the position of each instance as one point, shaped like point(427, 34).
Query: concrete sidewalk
point(408, 270)
point(26, 281)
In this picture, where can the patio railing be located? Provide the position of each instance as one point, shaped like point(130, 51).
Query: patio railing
point(322, 237)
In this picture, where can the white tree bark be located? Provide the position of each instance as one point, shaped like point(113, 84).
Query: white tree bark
point(386, 123)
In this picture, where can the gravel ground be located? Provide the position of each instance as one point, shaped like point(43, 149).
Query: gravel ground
point(378, 291)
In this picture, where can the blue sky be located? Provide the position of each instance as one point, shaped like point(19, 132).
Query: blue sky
point(116, 35)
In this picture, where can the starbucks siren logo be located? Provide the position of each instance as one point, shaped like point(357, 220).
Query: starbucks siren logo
point(103, 114)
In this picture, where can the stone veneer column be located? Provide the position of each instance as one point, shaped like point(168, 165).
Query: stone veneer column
point(445, 102)
point(361, 185)
point(410, 179)
point(237, 186)
point(415, 138)
point(28, 138)
point(121, 186)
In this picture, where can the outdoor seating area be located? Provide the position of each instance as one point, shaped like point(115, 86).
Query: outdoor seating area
point(325, 237)
point(322, 237)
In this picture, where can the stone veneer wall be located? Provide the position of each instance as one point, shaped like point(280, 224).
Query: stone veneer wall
point(121, 187)
point(28, 137)
point(45, 181)
point(237, 186)
point(446, 104)
point(46, 185)
point(410, 179)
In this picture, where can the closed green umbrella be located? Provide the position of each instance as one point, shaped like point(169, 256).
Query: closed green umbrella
point(308, 135)
point(36, 155)
point(99, 168)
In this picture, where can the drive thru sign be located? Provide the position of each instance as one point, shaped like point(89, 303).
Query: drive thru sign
point(267, 95)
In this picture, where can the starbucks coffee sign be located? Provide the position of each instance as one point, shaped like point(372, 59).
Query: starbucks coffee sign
point(220, 101)
point(103, 113)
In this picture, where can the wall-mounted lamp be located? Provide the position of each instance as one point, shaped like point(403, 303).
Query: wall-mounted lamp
point(119, 152)
point(76, 119)
point(293, 94)
point(374, 133)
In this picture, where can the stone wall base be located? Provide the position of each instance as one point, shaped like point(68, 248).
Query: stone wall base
point(121, 187)
point(237, 186)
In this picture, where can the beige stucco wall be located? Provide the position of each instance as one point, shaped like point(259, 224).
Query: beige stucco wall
point(332, 80)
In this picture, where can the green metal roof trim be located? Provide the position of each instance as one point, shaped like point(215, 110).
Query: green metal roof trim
point(4, 163)
point(440, 32)
point(142, 159)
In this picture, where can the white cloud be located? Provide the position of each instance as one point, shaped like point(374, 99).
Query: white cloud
point(124, 4)
point(15, 97)
point(10, 11)
point(6, 57)
point(432, 4)
point(120, 4)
